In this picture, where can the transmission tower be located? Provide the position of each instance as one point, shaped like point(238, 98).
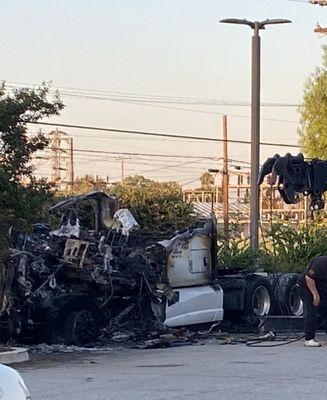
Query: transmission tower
point(62, 159)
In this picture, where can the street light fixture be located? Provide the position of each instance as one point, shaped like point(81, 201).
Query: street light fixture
point(255, 120)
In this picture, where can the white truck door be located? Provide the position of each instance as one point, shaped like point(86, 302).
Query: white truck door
point(189, 263)
point(196, 305)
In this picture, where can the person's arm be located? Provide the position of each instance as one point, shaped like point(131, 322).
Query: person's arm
point(313, 289)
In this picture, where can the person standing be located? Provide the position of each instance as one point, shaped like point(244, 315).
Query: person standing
point(312, 285)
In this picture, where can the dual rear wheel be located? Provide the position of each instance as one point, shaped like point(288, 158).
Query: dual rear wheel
point(262, 298)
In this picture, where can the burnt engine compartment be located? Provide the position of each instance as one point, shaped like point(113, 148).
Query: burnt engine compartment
point(73, 285)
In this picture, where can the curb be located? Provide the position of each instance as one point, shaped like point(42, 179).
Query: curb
point(11, 355)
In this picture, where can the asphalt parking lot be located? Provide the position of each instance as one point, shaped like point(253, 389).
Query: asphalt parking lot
point(203, 372)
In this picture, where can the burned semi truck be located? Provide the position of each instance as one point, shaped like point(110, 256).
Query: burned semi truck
point(71, 284)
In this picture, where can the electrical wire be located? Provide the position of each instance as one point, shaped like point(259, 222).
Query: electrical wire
point(157, 134)
point(300, 1)
point(140, 103)
point(91, 151)
point(182, 102)
point(321, 3)
point(113, 158)
point(189, 182)
point(122, 96)
point(215, 113)
point(282, 341)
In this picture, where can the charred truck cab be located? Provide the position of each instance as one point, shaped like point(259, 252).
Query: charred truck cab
point(190, 264)
point(70, 284)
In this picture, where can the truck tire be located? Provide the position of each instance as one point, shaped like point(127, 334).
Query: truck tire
point(259, 297)
point(73, 320)
point(289, 299)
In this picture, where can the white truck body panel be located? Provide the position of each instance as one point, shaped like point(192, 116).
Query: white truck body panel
point(189, 262)
point(196, 305)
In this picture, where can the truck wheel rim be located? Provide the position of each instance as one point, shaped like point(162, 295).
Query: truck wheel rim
point(261, 301)
point(295, 303)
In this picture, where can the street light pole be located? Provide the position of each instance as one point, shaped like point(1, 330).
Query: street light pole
point(255, 120)
point(255, 138)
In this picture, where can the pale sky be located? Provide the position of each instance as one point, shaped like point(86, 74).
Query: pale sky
point(166, 48)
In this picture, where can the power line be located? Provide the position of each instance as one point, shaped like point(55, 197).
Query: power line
point(168, 167)
point(205, 111)
point(181, 166)
point(321, 3)
point(212, 112)
point(160, 166)
point(140, 102)
point(163, 135)
point(175, 139)
point(125, 96)
point(146, 162)
point(300, 1)
point(186, 102)
point(121, 138)
point(112, 157)
point(138, 154)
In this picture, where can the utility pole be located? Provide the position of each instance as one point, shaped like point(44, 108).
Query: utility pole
point(256, 26)
point(224, 184)
point(225, 180)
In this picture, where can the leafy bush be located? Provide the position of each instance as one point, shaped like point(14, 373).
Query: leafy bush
point(284, 248)
point(293, 247)
point(238, 253)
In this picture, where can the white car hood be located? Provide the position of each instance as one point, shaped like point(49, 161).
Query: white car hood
point(12, 385)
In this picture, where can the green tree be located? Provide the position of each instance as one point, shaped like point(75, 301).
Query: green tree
point(313, 132)
point(22, 196)
point(157, 206)
point(207, 181)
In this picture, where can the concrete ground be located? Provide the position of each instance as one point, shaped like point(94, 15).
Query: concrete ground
point(201, 372)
